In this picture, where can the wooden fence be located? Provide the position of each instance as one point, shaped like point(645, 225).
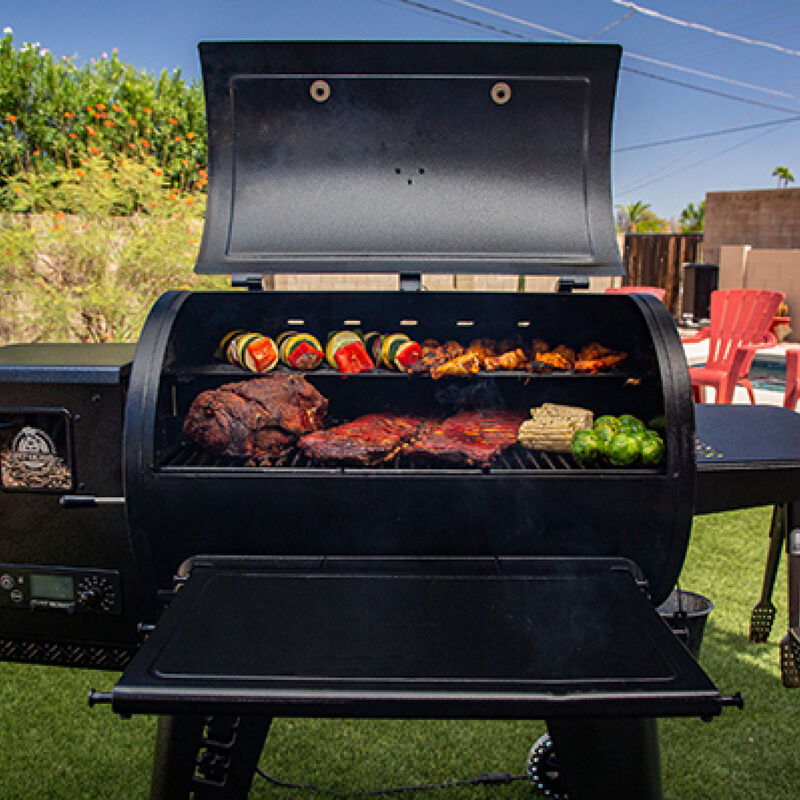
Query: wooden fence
point(654, 259)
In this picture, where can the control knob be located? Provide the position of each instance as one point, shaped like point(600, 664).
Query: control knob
point(95, 593)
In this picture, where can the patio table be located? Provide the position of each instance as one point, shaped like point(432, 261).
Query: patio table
point(750, 456)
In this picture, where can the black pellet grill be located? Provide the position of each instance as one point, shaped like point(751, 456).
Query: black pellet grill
point(525, 589)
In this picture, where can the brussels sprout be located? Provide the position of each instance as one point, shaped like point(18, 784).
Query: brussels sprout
point(607, 419)
point(630, 422)
point(652, 450)
point(585, 445)
point(623, 450)
point(604, 434)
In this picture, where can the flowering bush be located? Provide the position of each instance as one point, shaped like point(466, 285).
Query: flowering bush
point(61, 125)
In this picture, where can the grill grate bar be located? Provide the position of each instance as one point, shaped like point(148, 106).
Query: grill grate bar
point(516, 458)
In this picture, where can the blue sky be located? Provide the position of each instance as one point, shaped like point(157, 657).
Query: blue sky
point(677, 80)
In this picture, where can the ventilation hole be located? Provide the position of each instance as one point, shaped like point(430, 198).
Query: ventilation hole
point(421, 170)
point(397, 170)
point(410, 181)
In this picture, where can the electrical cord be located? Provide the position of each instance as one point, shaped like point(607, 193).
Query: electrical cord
point(491, 778)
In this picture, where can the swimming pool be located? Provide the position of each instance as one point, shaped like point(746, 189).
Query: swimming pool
point(769, 374)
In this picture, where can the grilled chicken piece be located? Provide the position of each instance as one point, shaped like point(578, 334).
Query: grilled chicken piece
point(545, 362)
point(566, 352)
point(259, 419)
point(466, 364)
point(591, 351)
point(539, 346)
point(598, 364)
point(510, 360)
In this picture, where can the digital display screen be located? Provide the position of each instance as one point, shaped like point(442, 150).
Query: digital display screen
point(52, 587)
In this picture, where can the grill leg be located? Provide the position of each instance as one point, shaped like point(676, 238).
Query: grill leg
point(206, 757)
point(614, 758)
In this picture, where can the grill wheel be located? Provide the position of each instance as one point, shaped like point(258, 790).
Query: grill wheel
point(544, 771)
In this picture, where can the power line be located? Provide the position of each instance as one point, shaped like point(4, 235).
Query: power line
point(514, 35)
point(649, 12)
point(707, 135)
point(636, 56)
point(636, 186)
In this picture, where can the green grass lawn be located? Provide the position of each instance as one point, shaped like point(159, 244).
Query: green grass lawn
point(53, 746)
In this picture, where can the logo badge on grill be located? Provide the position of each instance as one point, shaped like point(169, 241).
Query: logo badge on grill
point(34, 450)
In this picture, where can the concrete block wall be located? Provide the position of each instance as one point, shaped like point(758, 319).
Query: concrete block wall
point(763, 219)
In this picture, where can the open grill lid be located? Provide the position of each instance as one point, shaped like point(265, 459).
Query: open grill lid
point(409, 157)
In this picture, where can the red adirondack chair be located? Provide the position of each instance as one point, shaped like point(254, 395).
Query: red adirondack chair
point(740, 321)
point(792, 393)
point(654, 290)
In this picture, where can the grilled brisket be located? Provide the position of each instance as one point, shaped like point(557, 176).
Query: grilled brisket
point(366, 441)
point(471, 438)
point(259, 419)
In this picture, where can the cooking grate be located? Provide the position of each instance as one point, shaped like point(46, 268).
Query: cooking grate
point(185, 454)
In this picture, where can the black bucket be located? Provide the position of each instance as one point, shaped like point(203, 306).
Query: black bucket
point(686, 613)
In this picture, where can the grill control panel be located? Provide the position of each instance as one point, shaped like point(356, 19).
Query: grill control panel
point(69, 589)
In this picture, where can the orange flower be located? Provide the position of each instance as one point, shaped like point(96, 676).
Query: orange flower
point(36, 152)
point(91, 131)
point(17, 190)
point(202, 173)
point(172, 120)
point(81, 173)
point(11, 118)
point(109, 123)
point(192, 240)
point(189, 201)
point(100, 106)
point(157, 172)
point(116, 108)
point(190, 135)
point(184, 162)
point(173, 196)
point(145, 144)
point(132, 121)
point(131, 145)
point(152, 203)
point(148, 110)
point(178, 138)
point(73, 136)
point(69, 115)
point(94, 151)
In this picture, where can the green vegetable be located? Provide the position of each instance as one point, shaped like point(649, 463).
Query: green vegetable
point(622, 450)
point(607, 419)
point(652, 449)
point(630, 422)
point(604, 433)
point(585, 445)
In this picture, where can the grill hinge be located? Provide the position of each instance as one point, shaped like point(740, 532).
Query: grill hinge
point(410, 282)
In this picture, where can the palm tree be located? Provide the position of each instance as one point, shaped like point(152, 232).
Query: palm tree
point(634, 213)
point(783, 174)
point(693, 218)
